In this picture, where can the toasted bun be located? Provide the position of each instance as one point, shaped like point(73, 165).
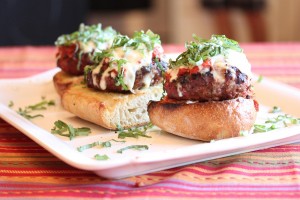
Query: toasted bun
point(110, 110)
point(204, 120)
point(62, 81)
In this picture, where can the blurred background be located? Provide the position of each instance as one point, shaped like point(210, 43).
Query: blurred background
point(36, 22)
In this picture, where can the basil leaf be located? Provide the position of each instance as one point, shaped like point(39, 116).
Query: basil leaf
point(200, 49)
point(279, 121)
point(135, 132)
point(98, 143)
point(134, 147)
point(26, 112)
point(67, 130)
point(101, 157)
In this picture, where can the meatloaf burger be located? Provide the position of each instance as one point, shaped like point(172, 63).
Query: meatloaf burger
point(208, 92)
point(120, 84)
point(76, 50)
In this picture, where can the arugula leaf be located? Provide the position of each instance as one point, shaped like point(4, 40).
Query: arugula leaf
point(67, 130)
point(135, 132)
point(101, 157)
point(135, 147)
point(200, 49)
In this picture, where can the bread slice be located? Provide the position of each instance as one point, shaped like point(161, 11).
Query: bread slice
point(62, 81)
point(110, 110)
point(204, 121)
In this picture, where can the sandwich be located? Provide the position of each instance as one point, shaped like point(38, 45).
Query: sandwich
point(76, 50)
point(119, 84)
point(208, 92)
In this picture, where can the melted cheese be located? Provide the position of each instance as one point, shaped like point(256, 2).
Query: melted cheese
point(135, 60)
point(90, 46)
point(220, 64)
point(240, 61)
point(87, 47)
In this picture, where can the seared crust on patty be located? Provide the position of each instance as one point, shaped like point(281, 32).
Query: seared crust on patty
point(196, 86)
point(204, 120)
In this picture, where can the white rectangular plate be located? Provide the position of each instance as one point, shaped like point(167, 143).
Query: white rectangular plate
point(165, 150)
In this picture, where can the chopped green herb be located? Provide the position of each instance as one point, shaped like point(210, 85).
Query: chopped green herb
point(141, 41)
point(26, 112)
point(88, 146)
point(10, 104)
point(98, 143)
point(260, 78)
point(101, 157)
point(200, 49)
point(244, 133)
point(279, 121)
point(120, 77)
point(135, 147)
point(67, 130)
point(148, 39)
point(160, 66)
point(275, 109)
point(85, 33)
point(135, 132)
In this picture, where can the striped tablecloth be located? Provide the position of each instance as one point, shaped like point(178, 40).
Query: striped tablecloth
point(29, 171)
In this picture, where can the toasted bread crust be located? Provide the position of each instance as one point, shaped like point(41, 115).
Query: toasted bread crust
point(110, 110)
point(204, 121)
point(107, 109)
point(62, 81)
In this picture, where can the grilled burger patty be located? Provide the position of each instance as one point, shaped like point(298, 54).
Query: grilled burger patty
point(191, 84)
point(68, 59)
point(152, 71)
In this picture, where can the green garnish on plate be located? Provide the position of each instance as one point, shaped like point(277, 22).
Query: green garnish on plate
point(280, 121)
point(67, 130)
point(27, 111)
point(134, 132)
point(134, 147)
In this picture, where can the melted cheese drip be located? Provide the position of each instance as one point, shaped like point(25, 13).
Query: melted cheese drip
point(87, 47)
point(220, 64)
point(135, 60)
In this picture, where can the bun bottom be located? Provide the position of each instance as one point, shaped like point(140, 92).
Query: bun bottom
point(204, 121)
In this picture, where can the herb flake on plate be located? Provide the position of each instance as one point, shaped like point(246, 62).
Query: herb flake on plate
point(280, 121)
point(101, 157)
point(27, 111)
point(67, 130)
point(134, 132)
point(98, 143)
point(134, 147)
